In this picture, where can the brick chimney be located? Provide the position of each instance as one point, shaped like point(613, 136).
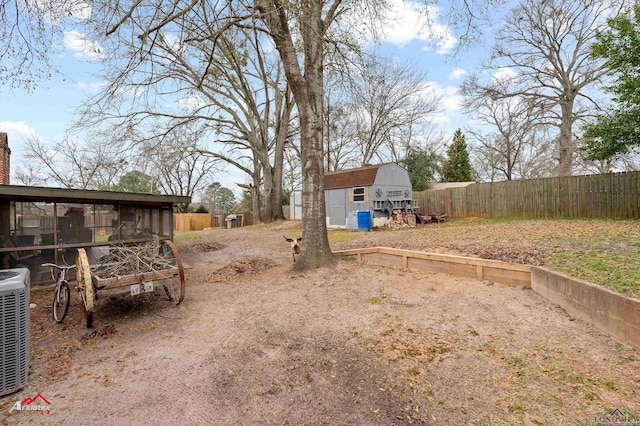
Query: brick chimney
point(5, 154)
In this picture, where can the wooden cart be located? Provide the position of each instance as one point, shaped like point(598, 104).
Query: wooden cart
point(91, 286)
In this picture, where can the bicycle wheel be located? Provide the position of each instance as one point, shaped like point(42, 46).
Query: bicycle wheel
point(61, 301)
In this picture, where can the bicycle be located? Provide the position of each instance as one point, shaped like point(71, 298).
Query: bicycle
point(63, 292)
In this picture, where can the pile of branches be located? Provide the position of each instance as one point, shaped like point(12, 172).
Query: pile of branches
point(135, 259)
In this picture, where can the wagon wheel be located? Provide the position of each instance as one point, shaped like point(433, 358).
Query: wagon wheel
point(174, 288)
point(85, 285)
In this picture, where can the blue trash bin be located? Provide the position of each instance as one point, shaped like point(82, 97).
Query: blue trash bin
point(364, 220)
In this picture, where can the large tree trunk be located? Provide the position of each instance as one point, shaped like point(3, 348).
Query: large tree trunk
point(566, 146)
point(285, 104)
point(316, 251)
point(255, 204)
point(254, 189)
point(307, 89)
point(267, 173)
point(315, 247)
point(278, 213)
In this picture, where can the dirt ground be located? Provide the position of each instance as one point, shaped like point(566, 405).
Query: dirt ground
point(255, 343)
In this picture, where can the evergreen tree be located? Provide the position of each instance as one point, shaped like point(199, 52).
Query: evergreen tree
point(136, 181)
point(456, 167)
point(221, 199)
point(421, 165)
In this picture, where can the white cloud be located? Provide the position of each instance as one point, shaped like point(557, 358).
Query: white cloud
point(130, 91)
point(80, 11)
point(190, 102)
point(450, 101)
point(16, 130)
point(504, 75)
point(92, 88)
point(410, 21)
point(56, 11)
point(404, 22)
point(457, 73)
point(174, 43)
point(81, 46)
point(451, 98)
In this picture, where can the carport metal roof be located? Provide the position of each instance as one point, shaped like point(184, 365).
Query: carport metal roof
point(35, 193)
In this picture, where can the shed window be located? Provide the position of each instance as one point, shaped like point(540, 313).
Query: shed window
point(358, 195)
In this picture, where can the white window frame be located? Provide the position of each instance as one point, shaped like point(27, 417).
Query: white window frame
point(363, 195)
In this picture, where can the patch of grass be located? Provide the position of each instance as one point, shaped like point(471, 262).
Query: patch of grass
point(577, 378)
point(620, 272)
point(490, 420)
point(297, 276)
point(348, 258)
point(185, 236)
point(556, 399)
point(342, 236)
point(610, 383)
point(489, 347)
point(590, 395)
point(414, 371)
point(517, 407)
point(521, 368)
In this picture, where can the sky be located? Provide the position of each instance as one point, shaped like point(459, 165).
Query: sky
point(48, 111)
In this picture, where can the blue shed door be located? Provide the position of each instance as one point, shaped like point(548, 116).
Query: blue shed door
point(337, 207)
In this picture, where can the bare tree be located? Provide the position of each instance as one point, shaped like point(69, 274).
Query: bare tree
point(342, 144)
point(76, 164)
point(374, 110)
point(543, 51)
point(388, 100)
point(230, 84)
point(179, 167)
point(620, 162)
point(31, 32)
point(516, 141)
point(29, 175)
point(292, 180)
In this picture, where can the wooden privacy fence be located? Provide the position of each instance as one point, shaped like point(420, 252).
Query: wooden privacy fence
point(611, 195)
point(198, 221)
point(191, 221)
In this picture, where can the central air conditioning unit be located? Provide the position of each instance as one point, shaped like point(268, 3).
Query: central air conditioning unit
point(14, 329)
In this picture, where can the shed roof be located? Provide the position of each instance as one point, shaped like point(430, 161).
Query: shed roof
point(361, 176)
point(36, 193)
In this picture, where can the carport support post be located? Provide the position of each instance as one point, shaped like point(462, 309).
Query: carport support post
point(171, 221)
point(56, 236)
point(405, 262)
point(5, 229)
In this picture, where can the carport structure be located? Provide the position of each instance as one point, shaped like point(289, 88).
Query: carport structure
point(39, 225)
